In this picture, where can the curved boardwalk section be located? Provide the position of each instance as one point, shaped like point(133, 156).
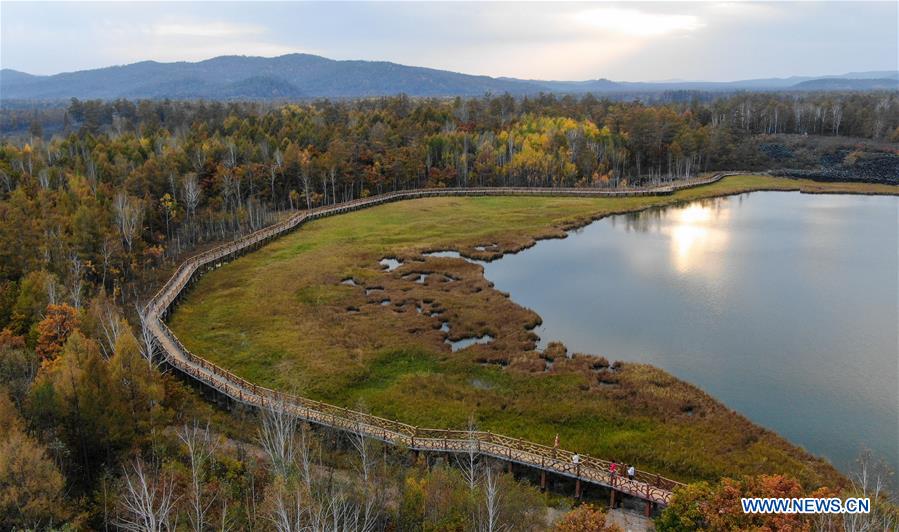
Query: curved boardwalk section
point(652, 488)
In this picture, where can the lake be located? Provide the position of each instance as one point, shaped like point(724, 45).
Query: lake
point(780, 304)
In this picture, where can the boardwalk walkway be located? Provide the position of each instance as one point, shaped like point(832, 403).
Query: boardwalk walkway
point(652, 488)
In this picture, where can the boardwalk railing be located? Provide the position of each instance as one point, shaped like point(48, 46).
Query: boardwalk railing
point(653, 488)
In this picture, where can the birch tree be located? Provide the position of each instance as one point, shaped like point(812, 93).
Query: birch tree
point(201, 447)
point(468, 461)
point(277, 436)
point(490, 516)
point(190, 190)
point(76, 279)
point(870, 479)
point(129, 217)
point(276, 165)
point(364, 447)
point(288, 511)
point(148, 500)
point(109, 322)
point(147, 339)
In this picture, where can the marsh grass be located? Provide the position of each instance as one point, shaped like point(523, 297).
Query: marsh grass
point(279, 317)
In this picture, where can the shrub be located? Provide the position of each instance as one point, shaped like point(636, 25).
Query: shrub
point(584, 518)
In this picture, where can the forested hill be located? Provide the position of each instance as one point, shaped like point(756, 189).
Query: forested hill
point(299, 76)
point(839, 84)
point(235, 77)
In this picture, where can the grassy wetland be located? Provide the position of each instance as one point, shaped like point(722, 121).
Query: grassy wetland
point(317, 314)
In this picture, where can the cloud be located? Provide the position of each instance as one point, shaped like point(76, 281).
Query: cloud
point(636, 23)
point(188, 41)
point(205, 29)
point(630, 41)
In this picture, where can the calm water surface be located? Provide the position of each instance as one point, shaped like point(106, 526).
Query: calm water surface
point(781, 305)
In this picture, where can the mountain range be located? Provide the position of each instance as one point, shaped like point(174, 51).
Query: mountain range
point(304, 76)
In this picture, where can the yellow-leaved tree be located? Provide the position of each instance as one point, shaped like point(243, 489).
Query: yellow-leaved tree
point(137, 381)
point(31, 487)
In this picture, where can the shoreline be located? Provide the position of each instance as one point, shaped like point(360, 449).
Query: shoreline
point(544, 342)
point(581, 223)
point(560, 231)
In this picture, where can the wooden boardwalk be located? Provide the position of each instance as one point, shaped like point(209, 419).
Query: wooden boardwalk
point(652, 488)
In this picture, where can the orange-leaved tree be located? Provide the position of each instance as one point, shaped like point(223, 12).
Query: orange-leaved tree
point(585, 518)
point(704, 506)
point(54, 330)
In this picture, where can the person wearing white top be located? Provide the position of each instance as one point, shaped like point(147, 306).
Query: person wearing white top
point(576, 459)
point(631, 472)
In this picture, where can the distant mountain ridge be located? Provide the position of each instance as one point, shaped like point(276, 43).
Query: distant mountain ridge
point(840, 84)
point(298, 76)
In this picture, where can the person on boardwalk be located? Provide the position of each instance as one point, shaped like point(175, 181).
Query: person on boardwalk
point(576, 459)
point(556, 446)
point(631, 472)
point(613, 470)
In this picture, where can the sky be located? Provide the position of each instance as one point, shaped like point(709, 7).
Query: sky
point(624, 41)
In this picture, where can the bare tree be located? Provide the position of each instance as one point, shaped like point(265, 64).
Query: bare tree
point(288, 512)
point(148, 501)
point(76, 279)
point(43, 178)
point(110, 321)
point(107, 250)
point(52, 290)
point(277, 163)
point(235, 177)
point(468, 461)
point(304, 461)
point(339, 513)
point(225, 524)
point(147, 338)
point(7, 181)
point(296, 501)
point(364, 447)
point(201, 447)
point(190, 190)
point(227, 188)
point(837, 110)
point(277, 436)
point(870, 479)
point(198, 159)
point(305, 178)
point(365, 515)
point(490, 519)
point(129, 217)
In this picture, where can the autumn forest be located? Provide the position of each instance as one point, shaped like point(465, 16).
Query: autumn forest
point(100, 200)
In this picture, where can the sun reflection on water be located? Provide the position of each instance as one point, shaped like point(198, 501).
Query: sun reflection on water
point(695, 233)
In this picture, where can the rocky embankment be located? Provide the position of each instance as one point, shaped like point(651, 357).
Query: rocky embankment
point(879, 168)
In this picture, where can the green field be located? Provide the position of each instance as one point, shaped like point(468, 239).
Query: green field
point(279, 317)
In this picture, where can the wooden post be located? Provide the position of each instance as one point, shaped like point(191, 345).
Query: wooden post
point(542, 480)
point(612, 499)
point(509, 467)
point(577, 483)
point(648, 508)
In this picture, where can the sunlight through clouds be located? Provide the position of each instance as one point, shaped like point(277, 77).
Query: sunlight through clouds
point(635, 22)
point(622, 41)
